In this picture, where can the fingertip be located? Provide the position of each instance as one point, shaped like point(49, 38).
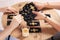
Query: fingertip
point(34, 12)
point(35, 17)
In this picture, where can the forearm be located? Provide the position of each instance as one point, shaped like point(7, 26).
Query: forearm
point(9, 29)
point(6, 32)
point(54, 24)
point(53, 5)
point(3, 9)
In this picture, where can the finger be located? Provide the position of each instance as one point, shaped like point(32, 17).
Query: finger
point(12, 9)
point(18, 18)
point(36, 18)
point(35, 12)
point(38, 13)
point(9, 12)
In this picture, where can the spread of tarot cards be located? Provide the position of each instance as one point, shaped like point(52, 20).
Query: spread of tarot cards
point(29, 17)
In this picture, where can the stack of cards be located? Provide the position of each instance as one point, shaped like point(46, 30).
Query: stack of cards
point(26, 12)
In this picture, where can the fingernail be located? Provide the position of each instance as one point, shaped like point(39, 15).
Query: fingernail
point(33, 11)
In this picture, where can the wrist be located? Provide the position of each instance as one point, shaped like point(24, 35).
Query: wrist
point(14, 24)
point(1, 9)
point(11, 27)
point(46, 5)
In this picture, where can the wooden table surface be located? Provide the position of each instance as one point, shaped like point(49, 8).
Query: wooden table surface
point(47, 30)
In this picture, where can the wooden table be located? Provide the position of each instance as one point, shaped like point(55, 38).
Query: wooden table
point(47, 30)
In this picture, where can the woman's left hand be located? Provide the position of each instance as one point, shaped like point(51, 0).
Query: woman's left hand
point(9, 9)
point(39, 15)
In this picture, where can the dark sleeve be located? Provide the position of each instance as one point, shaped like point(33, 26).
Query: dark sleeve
point(11, 38)
point(55, 37)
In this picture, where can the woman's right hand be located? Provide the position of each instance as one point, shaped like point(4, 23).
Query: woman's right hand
point(39, 15)
point(16, 21)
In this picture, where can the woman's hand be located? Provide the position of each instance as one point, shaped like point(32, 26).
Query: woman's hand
point(39, 15)
point(16, 21)
point(8, 9)
point(14, 24)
